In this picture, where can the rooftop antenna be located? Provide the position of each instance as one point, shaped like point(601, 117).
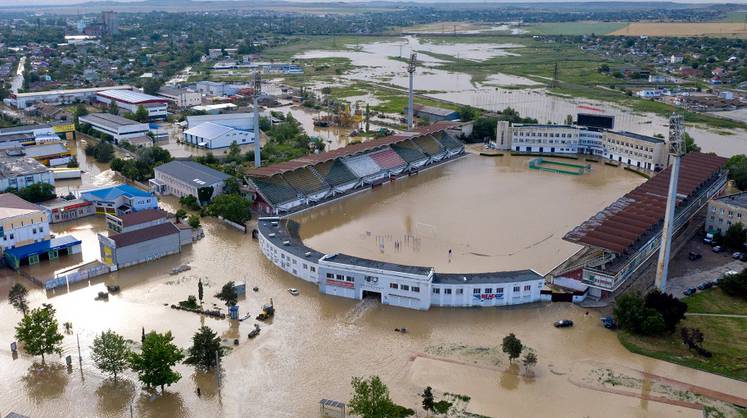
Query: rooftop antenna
point(676, 151)
point(257, 132)
point(410, 104)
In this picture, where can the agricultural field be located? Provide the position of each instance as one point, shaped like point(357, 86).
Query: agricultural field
point(709, 29)
point(574, 28)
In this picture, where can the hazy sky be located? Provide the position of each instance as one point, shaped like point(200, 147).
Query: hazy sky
point(68, 2)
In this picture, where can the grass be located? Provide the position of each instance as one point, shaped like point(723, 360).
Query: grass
point(736, 17)
point(574, 28)
point(301, 44)
point(725, 337)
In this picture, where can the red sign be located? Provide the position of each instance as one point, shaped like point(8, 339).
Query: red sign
point(349, 285)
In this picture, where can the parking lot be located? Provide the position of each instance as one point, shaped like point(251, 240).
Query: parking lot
point(684, 273)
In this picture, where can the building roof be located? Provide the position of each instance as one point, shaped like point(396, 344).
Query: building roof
point(126, 239)
point(113, 192)
point(23, 129)
point(143, 216)
point(12, 205)
point(623, 224)
point(639, 136)
point(208, 130)
point(218, 106)
point(19, 166)
point(43, 150)
point(375, 264)
point(61, 203)
point(737, 199)
point(192, 173)
point(72, 91)
point(131, 96)
point(167, 91)
point(108, 120)
point(489, 278)
point(438, 111)
point(43, 247)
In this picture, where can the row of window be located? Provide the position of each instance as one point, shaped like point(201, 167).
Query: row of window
point(479, 291)
point(415, 289)
point(340, 277)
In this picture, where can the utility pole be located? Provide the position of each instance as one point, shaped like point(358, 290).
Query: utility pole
point(217, 368)
point(410, 104)
point(80, 357)
point(676, 151)
point(257, 132)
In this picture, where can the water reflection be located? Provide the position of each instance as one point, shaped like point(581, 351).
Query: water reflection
point(115, 398)
point(45, 381)
point(153, 403)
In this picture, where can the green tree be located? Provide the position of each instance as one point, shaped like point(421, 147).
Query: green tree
point(232, 207)
point(468, 113)
point(151, 85)
point(228, 294)
point(37, 192)
point(529, 360)
point(737, 166)
point(371, 400)
point(428, 401)
point(512, 346)
point(735, 284)
point(234, 153)
point(194, 221)
point(113, 108)
point(653, 324)
point(205, 345)
point(189, 202)
point(231, 186)
point(672, 310)
point(690, 145)
point(442, 407)
point(80, 110)
point(180, 214)
point(735, 237)
point(484, 128)
point(110, 353)
point(141, 114)
point(17, 296)
point(154, 364)
point(200, 290)
point(38, 332)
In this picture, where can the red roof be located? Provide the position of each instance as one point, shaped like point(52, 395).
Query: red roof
point(126, 239)
point(143, 216)
point(622, 224)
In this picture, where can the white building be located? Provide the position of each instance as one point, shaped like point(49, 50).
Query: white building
point(21, 222)
point(213, 88)
point(211, 136)
point(411, 287)
point(130, 100)
point(119, 128)
point(183, 178)
point(648, 94)
point(243, 121)
point(64, 96)
point(181, 98)
point(19, 172)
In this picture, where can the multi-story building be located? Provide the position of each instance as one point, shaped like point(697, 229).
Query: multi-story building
point(641, 151)
point(22, 171)
point(120, 199)
point(63, 96)
point(21, 222)
point(131, 100)
point(726, 211)
point(181, 98)
point(184, 178)
point(119, 128)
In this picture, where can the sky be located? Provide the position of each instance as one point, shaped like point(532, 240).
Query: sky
point(69, 2)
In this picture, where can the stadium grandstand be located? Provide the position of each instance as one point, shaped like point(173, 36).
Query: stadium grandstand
point(305, 181)
point(624, 236)
point(430, 146)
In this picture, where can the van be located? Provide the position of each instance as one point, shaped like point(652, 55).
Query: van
point(708, 238)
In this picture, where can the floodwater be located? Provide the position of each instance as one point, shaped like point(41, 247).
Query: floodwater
point(315, 344)
point(495, 214)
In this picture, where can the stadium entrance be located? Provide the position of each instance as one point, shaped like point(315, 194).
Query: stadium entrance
point(367, 294)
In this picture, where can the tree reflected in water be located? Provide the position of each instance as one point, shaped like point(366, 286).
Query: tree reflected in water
point(115, 398)
point(45, 381)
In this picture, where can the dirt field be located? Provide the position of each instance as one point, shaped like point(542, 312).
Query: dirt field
point(725, 29)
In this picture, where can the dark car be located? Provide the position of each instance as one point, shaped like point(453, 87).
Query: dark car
point(705, 285)
point(694, 256)
point(608, 322)
point(689, 291)
point(563, 323)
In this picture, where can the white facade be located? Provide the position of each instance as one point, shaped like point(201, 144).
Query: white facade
point(21, 222)
point(24, 100)
point(211, 136)
point(131, 100)
point(19, 172)
point(242, 121)
point(181, 98)
point(119, 128)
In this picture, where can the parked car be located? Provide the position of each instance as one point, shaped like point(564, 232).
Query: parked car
point(689, 291)
point(737, 255)
point(563, 323)
point(694, 256)
point(293, 291)
point(708, 238)
point(608, 322)
point(717, 249)
point(705, 285)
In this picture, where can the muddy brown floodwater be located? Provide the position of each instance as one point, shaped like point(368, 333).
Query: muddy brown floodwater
point(494, 213)
point(316, 343)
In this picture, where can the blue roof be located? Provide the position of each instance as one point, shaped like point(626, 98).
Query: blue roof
point(111, 193)
point(42, 247)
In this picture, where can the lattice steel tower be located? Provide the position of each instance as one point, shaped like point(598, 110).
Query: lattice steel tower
point(676, 151)
point(257, 132)
point(410, 104)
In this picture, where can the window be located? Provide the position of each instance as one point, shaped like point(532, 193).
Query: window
point(313, 269)
point(405, 287)
point(330, 276)
point(393, 285)
point(476, 291)
point(436, 290)
point(415, 289)
point(517, 288)
point(349, 278)
point(499, 290)
point(488, 290)
point(305, 266)
point(527, 287)
point(460, 291)
point(340, 277)
point(447, 291)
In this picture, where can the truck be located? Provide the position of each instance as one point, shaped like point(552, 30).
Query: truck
point(708, 238)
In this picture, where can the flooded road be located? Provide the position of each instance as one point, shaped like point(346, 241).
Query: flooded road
point(494, 213)
point(316, 343)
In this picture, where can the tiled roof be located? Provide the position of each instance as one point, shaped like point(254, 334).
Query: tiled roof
point(126, 239)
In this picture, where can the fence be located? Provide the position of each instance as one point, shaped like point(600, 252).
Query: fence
point(76, 276)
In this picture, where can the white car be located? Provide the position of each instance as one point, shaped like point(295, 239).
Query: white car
point(293, 291)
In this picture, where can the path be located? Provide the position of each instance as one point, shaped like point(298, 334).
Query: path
point(716, 314)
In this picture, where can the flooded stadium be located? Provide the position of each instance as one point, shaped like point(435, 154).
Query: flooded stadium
point(493, 213)
point(316, 343)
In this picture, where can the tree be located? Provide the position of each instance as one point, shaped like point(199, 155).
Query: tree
point(427, 396)
point(113, 108)
point(628, 311)
point(205, 343)
point(468, 113)
point(737, 166)
point(735, 237)
point(189, 202)
point(690, 145)
point(653, 324)
point(234, 153)
point(529, 360)
point(151, 86)
point(735, 284)
point(37, 192)
point(38, 332)
point(154, 363)
point(232, 207)
point(694, 338)
point(110, 353)
point(80, 110)
point(442, 407)
point(17, 298)
point(228, 294)
point(512, 346)
point(371, 400)
point(200, 290)
point(484, 128)
point(180, 214)
point(671, 309)
point(141, 114)
point(194, 221)
point(231, 186)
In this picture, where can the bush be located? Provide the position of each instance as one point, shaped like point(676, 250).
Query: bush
point(735, 285)
point(37, 192)
point(194, 221)
point(657, 313)
point(190, 303)
point(232, 207)
point(103, 152)
point(653, 324)
point(190, 202)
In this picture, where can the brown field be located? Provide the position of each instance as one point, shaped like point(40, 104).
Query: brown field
point(712, 29)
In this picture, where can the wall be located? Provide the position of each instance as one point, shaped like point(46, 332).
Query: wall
point(22, 230)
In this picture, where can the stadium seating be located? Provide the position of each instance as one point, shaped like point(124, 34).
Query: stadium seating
point(362, 165)
point(429, 145)
point(448, 141)
point(305, 180)
point(408, 151)
point(335, 173)
point(275, 189)
point(388, 159)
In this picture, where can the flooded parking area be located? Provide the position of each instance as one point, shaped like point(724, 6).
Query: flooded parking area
point(493, 213)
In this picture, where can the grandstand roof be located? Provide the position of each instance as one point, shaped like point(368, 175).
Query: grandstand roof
point(622, 224)
point(349, 150)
